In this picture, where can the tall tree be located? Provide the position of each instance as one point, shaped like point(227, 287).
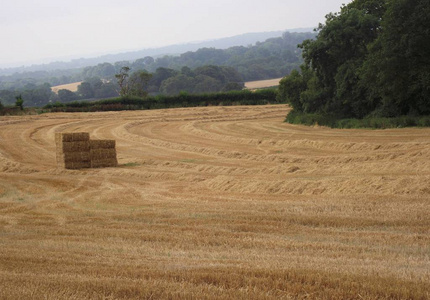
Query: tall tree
point(122, 78)
point(337, 55)
point(138, 83)
point(85, 90)
point(398, 68)
point(19, 102)
point(371, 58)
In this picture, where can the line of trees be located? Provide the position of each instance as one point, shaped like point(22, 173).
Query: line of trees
point(370, 59)
point(272, 58)
point(206, 79)
point(183, 99)
point(205, 70)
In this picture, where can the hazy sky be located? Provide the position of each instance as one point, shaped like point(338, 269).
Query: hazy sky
point(38, 31)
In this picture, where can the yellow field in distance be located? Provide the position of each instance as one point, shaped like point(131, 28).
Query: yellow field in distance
point(259, 84)
point(73, 87)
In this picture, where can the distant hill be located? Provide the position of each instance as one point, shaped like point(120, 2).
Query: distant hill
point(223, 43)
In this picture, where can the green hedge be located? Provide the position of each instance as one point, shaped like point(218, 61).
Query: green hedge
point(244, 97)
point(371, 122)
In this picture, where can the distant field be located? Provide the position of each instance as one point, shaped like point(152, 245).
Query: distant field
point(214, 203)
point(262, 83)
point(70, 86)
point(249, 85)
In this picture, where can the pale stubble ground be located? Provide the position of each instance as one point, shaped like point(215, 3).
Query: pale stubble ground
point(216, 202)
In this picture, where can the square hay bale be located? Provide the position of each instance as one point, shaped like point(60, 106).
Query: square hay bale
point(104, 163)
point(98, 154)
point(72, 136)
point(80, 146)
point(77, 165)
point(102, 144)
point(75, 157)
point(75, 150)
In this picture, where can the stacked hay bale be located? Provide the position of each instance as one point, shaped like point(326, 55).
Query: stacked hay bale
point(76, 151)
point(73, 150)
point(103, 153)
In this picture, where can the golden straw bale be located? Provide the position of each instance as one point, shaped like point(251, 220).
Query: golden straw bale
point(102, 144)
point(81, 146)
point(77, 165)
point(75, 157)
point(102, 154)
point(72, 136)
point(58, 138)
point(75, 150)
point(104, 163)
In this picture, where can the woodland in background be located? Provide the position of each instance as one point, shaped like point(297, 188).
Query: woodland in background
point(369, 60)
point(206, 70)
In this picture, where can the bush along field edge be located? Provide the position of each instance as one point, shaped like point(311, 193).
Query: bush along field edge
point(244, 97)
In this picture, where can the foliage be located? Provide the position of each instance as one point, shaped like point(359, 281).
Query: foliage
point(334, 121)
point(134, 84)
point(138, 83)
point(245, 97)
point(370, 59)
point(398, 68)
point(19, 102)
point(121, 78)
point(272, 58)
point(85, 91)
point(205, 79)
point(67, 96)
point(206, 70)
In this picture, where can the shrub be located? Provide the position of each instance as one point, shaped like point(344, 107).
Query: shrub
point(245, 97)
point(370, 122)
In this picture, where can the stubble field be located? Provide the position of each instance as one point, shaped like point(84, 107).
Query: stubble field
point(259, 84)
point(73, 87)
point(215, 202)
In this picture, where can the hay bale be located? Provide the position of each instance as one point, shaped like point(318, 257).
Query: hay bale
point(104, 163)
point(75, 150)
point(98, 154)
point(77, 165)
point(75, 157)
point(81, 146)
point(72, 136)
point(102, 144)
point(103, 153)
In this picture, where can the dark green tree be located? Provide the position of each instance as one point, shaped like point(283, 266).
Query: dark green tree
point(291, 87)
point(133, 85)
point(337, 55)
point(67, 96)
point(85, 90)
point(138, 83)
point(106, 90)
point(19, 102)
point(206, 84)
point(160, 75)
point(175, 85)
point(397, 71)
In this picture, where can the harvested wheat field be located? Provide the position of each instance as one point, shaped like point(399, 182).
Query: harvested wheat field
point(73, 87)
point(215, 202)
point(259, 84)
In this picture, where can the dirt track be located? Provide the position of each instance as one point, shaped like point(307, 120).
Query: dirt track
point(274, 196)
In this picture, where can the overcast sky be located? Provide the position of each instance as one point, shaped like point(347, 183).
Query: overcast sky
point(38, 31)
